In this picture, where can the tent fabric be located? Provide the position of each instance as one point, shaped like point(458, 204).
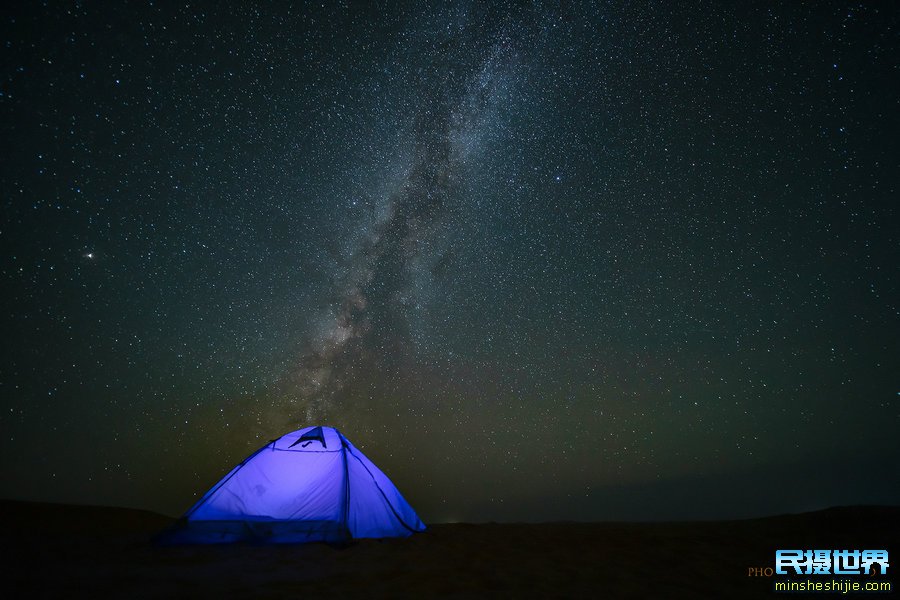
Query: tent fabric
point(308, 485)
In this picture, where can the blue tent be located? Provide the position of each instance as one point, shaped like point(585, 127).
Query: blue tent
point(307, 486)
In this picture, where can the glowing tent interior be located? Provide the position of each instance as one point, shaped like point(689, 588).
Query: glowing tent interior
point(306, 486)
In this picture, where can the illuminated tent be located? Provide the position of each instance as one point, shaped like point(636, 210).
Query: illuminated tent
point(307, 486)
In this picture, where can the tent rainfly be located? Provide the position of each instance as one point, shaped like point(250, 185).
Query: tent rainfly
point(310, 485)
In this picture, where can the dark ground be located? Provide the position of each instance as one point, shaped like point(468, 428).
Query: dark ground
point(64, 551)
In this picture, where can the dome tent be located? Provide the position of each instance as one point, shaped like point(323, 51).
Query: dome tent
point(309, 485)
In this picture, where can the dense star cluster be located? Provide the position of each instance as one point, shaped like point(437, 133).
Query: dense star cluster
point(589, 261)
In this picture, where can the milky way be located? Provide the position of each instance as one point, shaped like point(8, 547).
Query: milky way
point(455, 97)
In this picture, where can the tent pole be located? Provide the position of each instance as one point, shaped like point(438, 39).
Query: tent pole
point(345, 517)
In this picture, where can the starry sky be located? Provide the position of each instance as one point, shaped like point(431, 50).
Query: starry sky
point(539, 261)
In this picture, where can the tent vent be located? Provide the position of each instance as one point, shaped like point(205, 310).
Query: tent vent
point(313, 435)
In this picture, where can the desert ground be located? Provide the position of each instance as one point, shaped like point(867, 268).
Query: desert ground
point(64, 551)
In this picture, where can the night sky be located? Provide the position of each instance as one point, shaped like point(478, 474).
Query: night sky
point(538, 261)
